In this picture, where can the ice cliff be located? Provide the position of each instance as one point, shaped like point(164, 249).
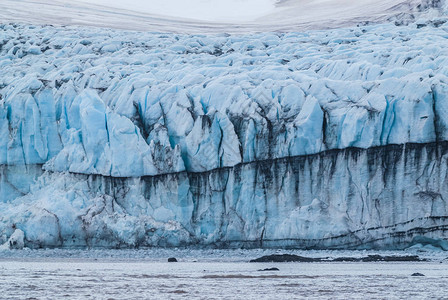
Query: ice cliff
point(322, 139)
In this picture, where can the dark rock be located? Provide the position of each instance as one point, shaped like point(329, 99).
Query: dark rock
point(269, 269)
point(369, 258)
point(417, 274)
point(346, 259)
point(172, 259)
point(376, 257)
point(285, 258)
point(392, 258)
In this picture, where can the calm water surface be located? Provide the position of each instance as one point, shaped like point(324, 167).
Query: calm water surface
point(133, 278)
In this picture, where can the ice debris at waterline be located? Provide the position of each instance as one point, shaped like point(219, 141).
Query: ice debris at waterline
point(15, 241)
point(322, 139)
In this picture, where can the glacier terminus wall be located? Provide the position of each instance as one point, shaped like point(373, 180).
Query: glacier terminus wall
point(322, 139)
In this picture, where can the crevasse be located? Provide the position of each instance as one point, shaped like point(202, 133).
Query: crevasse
point(323, 139)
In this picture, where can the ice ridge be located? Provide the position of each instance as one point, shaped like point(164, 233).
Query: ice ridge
point(88, 115)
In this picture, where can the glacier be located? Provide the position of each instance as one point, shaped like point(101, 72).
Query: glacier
point(319, 139)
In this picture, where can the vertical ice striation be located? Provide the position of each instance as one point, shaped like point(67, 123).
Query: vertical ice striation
point(379, 197)
point(323, 139)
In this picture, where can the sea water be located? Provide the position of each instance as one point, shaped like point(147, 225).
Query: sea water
point(214, 274)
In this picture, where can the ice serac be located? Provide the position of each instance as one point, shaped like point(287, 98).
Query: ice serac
point(323, 139)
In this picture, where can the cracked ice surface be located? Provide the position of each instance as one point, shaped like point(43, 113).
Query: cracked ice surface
point(100, 108)
point(132, 104)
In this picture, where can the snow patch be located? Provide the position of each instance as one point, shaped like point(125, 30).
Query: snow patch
point(204, 10)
